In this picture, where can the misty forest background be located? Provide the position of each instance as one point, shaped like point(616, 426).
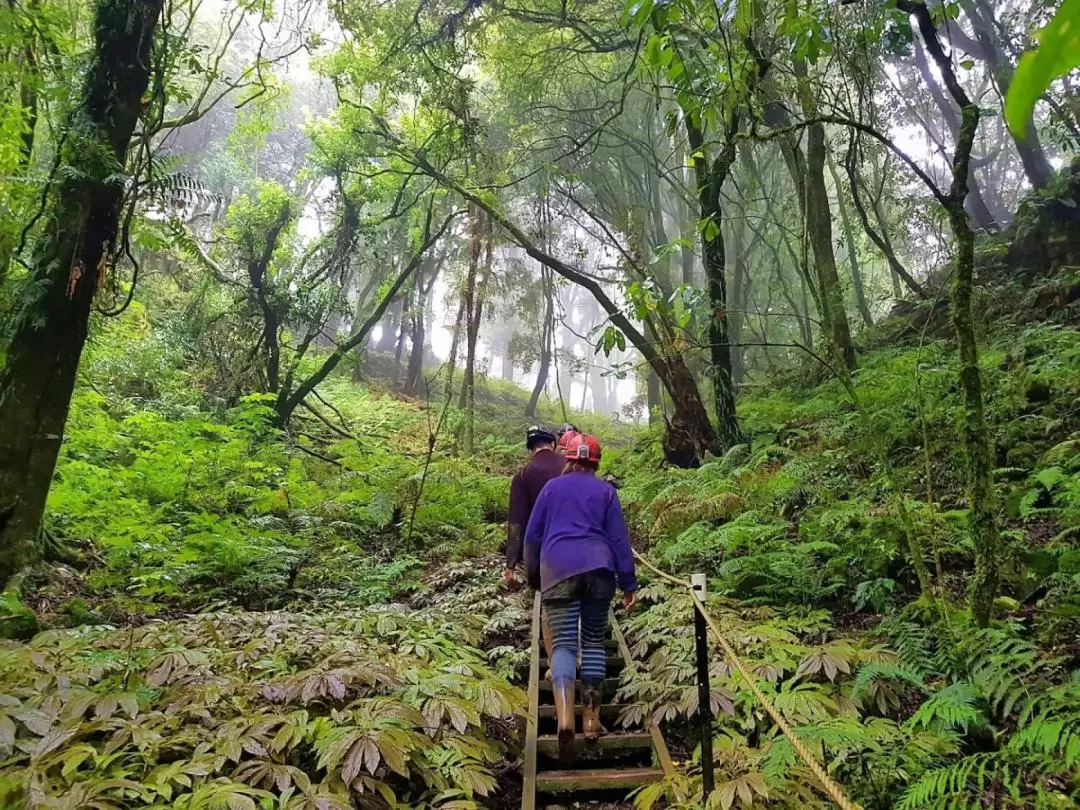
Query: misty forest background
point(282, 283)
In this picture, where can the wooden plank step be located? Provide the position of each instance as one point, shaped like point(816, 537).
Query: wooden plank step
point(609, 742)
point(610, 685)
point(607, 711)
point(601, 779)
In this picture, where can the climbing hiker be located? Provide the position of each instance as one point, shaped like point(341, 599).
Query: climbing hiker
point(577, 550)
point(544, 464)
point(564, 434)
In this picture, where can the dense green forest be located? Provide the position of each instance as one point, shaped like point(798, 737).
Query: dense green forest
point(284, 282)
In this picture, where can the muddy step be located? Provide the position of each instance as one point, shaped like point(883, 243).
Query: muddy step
point(600, 779)
point(549, 745)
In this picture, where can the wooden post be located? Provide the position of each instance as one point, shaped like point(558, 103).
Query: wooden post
point(701, 646)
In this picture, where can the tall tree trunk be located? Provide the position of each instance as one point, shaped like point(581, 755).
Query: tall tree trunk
point(399, 343)
point(740, 286)
point(547, 332)
point(507, 364)
point(808, 176)
point(710, 179)
point(853, 253)
point(819, 225)
point(985, 535)
point(38, 379)
point(474, 303)
point(417, 336)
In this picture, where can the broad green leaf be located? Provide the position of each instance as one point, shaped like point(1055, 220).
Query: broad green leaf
point(1058, 52)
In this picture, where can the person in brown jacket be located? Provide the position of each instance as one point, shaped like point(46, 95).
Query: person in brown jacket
point(544, 464)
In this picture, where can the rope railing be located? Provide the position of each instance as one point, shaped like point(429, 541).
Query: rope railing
point(828, 784)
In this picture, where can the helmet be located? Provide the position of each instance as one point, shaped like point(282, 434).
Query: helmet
point(566, 436)
point(583, 447)
point(538, 435)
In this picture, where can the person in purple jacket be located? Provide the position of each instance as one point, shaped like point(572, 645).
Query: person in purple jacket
point(577, 550)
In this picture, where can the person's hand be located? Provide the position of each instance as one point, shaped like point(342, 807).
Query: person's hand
point(630, 601)
point(509, 578)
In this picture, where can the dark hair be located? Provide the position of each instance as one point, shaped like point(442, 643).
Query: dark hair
point(580, 465)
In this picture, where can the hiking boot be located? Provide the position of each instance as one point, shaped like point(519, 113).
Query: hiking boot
point(590, 714)
point(564, 712)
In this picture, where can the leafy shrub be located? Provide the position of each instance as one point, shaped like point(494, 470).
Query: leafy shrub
point(309, 710)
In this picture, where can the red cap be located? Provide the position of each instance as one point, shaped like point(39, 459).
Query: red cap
point(583, 447)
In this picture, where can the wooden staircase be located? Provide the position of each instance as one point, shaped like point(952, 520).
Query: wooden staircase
point(609, 768)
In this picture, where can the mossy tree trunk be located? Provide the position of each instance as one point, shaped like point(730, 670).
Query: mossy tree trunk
point(71, 254)
point(985, 534)
point(710, 177)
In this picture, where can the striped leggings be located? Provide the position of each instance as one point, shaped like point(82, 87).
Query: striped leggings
point(564, 618)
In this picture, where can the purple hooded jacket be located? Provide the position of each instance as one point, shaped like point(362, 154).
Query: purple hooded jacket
point(577, 526)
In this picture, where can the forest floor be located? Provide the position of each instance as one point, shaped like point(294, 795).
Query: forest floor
point(245, 618)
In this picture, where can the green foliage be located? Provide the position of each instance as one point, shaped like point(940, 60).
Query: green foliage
point(306, 710)
point(1058, 52)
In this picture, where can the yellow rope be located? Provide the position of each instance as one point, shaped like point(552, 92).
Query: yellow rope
point(836, 793)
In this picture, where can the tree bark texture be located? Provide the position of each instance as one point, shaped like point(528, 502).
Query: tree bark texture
point(71, 255)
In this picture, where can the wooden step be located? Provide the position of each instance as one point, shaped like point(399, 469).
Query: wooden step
point(600, 779)
point(609, 686)
point(623, 741)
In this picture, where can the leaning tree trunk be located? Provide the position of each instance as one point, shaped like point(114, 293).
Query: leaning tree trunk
point(691, 418)
point(72, 252)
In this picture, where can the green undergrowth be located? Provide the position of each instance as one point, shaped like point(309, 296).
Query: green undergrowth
point(169, 500)
point(811, 510)
point(922, 713)
point(391, 706)
point(803, 532)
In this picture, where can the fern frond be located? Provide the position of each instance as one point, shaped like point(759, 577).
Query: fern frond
point(870, 674)
point(955, 706)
